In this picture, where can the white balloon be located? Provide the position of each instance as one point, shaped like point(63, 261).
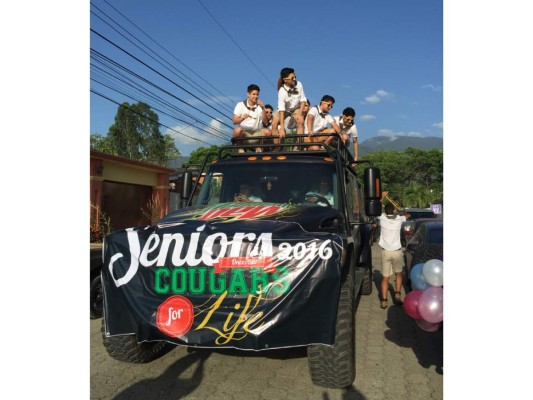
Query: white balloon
point(432, 272)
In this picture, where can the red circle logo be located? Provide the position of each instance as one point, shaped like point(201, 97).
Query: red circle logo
point(175, 316)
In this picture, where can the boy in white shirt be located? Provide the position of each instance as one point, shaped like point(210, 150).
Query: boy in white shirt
point(346, 122)
point(392, 259)
point(250, 115)
point(318, 118)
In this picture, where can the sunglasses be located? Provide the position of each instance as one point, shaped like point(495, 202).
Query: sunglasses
point(290, 78)
point(330, 105)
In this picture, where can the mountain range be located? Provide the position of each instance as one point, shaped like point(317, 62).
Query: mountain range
point(399, 143)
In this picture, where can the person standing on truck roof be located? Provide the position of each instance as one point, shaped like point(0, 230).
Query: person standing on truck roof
point(317, 121)
point(250, 115)
point(346, 122)
point(291, 102)
point(392, 259)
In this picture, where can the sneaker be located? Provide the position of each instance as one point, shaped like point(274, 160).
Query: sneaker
point(384, 304)
point(398, 299)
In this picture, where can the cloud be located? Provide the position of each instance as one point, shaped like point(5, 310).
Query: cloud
point(366, 117)
point(439, 125)
point(378, 96)
point(372, 99)
point(432, 87)
point(394, 135)
point(206, 136)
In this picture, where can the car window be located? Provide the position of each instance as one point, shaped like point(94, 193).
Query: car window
point(420, 214)
point(435, 236)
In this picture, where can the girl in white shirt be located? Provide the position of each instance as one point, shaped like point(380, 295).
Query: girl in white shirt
point(291, 101)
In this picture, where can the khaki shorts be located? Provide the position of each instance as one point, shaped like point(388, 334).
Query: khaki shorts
point(391, 260)
point(248, 134)
point(293, 114)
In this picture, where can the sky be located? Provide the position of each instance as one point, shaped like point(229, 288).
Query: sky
point(194, 60)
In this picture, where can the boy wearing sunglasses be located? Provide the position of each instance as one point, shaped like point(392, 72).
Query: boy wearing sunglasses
point(317, 121)
point(346, 122)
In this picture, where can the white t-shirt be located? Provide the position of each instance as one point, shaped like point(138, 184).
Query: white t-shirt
point(320, 121)
point(390, 231)
point(289, 99)
point(328, 197)
point(254, 121)
point(351, 131)
point(255, 199)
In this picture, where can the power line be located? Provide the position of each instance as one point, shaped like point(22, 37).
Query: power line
point(163, 76)
point(173, 56)
point(149, 119)
point(187, 123)
point(168, 65)
point(117, 76)
point(139, 88)
point(158, 73)
point(236, 44)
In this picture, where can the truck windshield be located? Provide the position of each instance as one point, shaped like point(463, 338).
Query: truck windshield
point(276, 182)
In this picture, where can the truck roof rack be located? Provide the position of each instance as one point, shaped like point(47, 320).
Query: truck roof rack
point(293, 146)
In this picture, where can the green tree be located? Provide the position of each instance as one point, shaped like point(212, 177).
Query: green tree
point(135, 135)
point(414, 177)
point(198, 155)
point(417, 195)
point(102, 143)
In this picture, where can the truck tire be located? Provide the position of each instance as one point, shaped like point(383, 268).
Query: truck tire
point(126, 349)
point(96, 297)
point(366, 287)
point(334, 367)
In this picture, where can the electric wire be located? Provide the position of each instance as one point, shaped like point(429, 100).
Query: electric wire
point(236, 44)
point(230, 103)
point(160, 88)
point(188, 123)
point(172, 69)
point(143, 116)
point(138, 87)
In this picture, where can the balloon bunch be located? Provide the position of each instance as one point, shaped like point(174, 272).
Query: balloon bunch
point(424, 303)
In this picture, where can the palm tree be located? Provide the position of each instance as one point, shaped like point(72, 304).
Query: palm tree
point(417, 195)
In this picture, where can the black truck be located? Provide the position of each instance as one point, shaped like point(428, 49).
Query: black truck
point(280, 264)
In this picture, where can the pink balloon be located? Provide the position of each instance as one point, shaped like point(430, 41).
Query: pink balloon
point(427, 326)
point(430, 305)
point(410, 303)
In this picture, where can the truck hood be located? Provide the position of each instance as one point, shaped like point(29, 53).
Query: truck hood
point(310, 218)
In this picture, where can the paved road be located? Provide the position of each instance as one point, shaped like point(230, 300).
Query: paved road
point(394, 360)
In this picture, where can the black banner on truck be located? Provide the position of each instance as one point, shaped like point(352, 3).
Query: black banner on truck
point(247, 284)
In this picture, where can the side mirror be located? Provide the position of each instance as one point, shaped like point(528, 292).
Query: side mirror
point(372, 183)
point(187, 187)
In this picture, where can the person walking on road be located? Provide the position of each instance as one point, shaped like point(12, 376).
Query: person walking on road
point(391, 252)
